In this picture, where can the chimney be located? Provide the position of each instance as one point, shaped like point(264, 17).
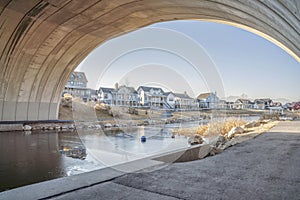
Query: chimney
point(116, 86)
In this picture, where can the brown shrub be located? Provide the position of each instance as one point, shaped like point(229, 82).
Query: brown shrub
point(220, 128)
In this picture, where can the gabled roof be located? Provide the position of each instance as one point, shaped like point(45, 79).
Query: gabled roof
point(263, 100)
point(131, 89)
point(182, 96)
point(244, 101)
point(78, 76)
point(167, 93)
point(204, 95)
point(147, 89)
point(107, 90)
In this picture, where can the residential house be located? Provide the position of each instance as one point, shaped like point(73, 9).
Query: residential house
point(77, 87)
point(106, 95)
point(229, 105)
point(223, 104)
point(119, 96)
point(208, 100)
point(262, 104)
point(125, 96)
point(184, 101)
point(243, 104)
point(170, 100)
point(151, 96)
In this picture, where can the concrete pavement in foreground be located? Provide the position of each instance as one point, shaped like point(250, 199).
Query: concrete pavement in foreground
point(266, 167)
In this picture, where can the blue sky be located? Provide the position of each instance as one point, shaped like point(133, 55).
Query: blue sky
point(247, 63)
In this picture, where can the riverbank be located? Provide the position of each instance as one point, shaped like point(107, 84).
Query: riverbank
point(79, 115)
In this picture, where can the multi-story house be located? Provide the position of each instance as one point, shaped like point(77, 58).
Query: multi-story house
point(118, 96)
point(208, 100)
point(184, 101)
point(151, 96)
point(262, 104)
point(77, 87)
point(243, 104)
point(125, 96)
point(105, 95)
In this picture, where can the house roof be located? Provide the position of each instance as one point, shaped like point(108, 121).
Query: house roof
point(107, 90)
point(78, 76)
point(262, 100)
point(167, 93)
point(244, 101)
point(147, 89)
point(131, 89)
point(203, 95)
point(182, 96)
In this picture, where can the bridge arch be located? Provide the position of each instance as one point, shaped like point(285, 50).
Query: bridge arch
point(42, 41)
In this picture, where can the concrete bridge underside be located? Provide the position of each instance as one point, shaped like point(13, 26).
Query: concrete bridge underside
point(42, 41)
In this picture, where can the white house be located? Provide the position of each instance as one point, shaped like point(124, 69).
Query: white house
point(170, 100)
point(106, 95)
point(184, 101)
point(208, 100)
point(125, 96)
point(119, 96)
point(262, 104)
point(243, 104)
point(151, 96)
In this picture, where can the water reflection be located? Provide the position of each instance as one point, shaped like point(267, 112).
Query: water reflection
point(32, 157)
point(28, 158)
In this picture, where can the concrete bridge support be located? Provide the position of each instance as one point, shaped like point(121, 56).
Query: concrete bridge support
point(42, 41)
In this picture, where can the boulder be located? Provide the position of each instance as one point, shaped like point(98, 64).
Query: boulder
point(234, 131)
point(71, 127)
point(196, 139)
point(36, 128)
point(214, 151)
point(204, 151)
point(108, 125)
point(252, 124)
point(27, 128)
point(98, 126)
point(64, 127)
point(217, 141)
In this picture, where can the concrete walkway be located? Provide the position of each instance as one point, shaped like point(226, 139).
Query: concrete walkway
point(266, 167)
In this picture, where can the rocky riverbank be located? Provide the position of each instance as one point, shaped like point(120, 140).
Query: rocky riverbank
point(213, 144)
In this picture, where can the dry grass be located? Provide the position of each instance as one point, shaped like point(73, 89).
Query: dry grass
point(212, 129)
point(221, 128)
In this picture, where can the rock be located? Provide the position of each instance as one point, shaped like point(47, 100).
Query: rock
point(196, 139)
point(204, 151)
point(36, 128)
point(250, 124)
point(108, 125)
point(215, 151)
point(27, 128)
point(71, 127)
point(234, 131)
point(218, 141)
point(98, 126)
point(265, 121)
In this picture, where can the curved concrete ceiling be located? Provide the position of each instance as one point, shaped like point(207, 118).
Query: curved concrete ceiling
point(42, 41)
